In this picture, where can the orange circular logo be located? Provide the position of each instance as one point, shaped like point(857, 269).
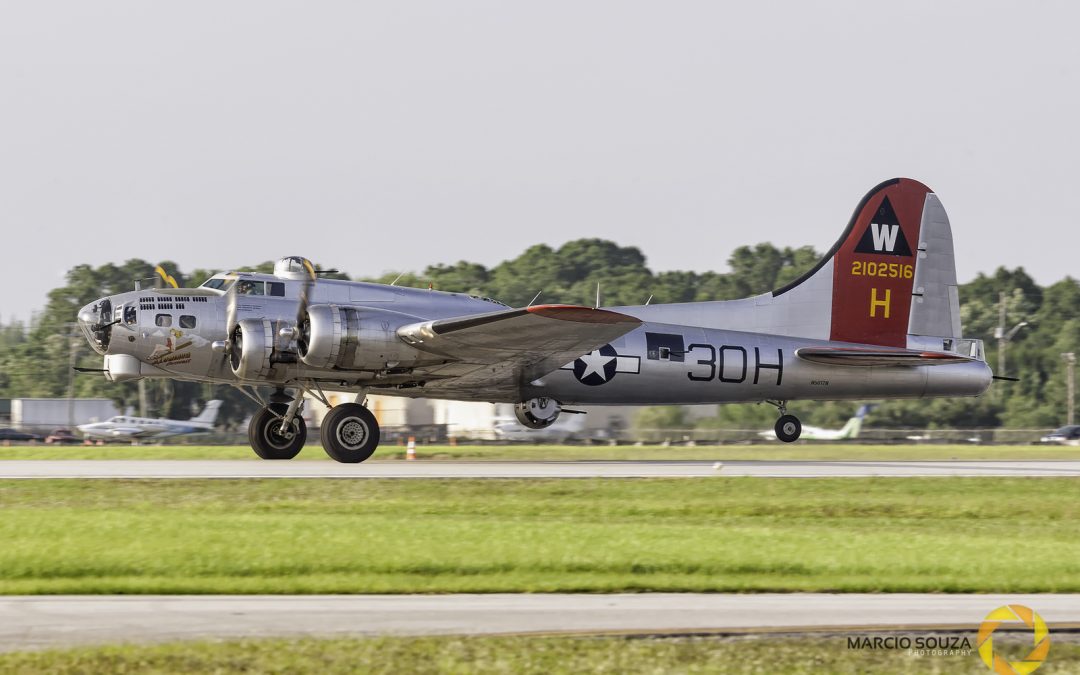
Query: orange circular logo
point(1040, 640)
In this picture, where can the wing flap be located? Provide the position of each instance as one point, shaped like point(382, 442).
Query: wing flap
point(855, 356)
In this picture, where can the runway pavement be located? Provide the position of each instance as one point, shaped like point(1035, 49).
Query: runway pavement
point(28, 622)
point(255, 468)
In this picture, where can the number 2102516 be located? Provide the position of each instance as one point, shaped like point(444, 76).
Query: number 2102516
point(861, 268)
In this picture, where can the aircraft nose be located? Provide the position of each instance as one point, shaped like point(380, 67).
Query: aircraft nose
point(96, 321)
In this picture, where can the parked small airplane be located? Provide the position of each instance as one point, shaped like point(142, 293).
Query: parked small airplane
point(877, 317)
point(127, 427)
point(850, 430)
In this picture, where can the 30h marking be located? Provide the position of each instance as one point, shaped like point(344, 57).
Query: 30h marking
point(883, 303)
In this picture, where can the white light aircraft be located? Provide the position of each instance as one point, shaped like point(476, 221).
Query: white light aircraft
point(850, 430)
point(127, 427)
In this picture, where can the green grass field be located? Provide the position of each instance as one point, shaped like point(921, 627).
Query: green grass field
point(386, 536)
point(836, 451)
point(512, 655)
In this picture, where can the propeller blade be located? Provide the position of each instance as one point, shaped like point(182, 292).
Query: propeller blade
point(305, 291)
point(166, 277)
point(230, 312)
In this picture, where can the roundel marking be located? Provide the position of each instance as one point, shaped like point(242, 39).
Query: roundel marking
point(597, 367)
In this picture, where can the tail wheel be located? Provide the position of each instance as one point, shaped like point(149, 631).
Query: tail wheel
point(349, 433)
point(266, 439)
point(788, 428)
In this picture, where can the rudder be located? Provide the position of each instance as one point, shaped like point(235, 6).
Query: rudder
point(892, 272)
point(874, 269)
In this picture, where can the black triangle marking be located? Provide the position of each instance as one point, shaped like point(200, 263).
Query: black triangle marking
point(883, 235)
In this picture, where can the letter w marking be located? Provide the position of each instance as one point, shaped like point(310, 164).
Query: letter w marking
point(884, 236)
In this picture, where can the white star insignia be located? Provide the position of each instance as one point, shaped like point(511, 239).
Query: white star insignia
point(595, 362)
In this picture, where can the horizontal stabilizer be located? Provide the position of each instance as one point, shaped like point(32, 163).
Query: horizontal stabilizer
point(854, 356)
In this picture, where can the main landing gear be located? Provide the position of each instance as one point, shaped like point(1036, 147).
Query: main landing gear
point(278, 431)
point(349, 432)
point(788, 427)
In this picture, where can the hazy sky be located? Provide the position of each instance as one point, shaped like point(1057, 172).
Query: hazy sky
point(386, 136)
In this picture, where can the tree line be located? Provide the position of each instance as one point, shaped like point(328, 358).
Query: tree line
point(36, 358)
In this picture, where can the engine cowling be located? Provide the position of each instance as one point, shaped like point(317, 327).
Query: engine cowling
point(537, 413)
point(354, 338)
point(252, 345)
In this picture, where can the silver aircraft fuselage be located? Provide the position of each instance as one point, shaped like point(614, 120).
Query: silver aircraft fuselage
point(656, 363)
point(671, 364)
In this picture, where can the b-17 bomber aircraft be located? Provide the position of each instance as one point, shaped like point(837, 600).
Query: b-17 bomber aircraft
point(132, 428)
point(877, 317)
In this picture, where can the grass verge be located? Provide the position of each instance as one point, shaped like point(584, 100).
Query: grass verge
point(511, 655)
point(603, 535)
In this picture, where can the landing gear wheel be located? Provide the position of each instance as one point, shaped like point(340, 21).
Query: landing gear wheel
point(349, 433)
point(788, 428)
point(266, 439)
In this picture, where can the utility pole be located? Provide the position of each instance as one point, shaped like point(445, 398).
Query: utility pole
point(142, 397)
point(1070, 368)
point(1000, 334)
point(1003, 337)
point(73, 355)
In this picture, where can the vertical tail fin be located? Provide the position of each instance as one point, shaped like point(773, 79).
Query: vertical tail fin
point(893, 271)
point(854, 425)
point(874, 268)
point(209, 413)
point(889, 280)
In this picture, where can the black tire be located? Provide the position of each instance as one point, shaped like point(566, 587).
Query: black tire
point(264, 437)
point(788, 428)
point(349, 433)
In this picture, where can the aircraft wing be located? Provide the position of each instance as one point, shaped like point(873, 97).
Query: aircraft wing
point(126, 432)
point(859, 356)
point(513, 346)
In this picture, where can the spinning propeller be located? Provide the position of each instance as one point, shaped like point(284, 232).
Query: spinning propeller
point(302, 326)
point(233, 345)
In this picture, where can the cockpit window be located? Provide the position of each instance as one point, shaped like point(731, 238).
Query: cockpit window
point(130, 317)
point(163, 320)
point(187, 321)
point(218, 284)
point(248, 287)
point(276, 288)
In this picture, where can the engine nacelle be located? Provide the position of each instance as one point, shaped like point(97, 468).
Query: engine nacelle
point(355, 338)
point(252, 345)
point(537, 413)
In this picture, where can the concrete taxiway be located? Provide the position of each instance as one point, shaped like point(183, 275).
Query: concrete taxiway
point(28, 622)
point(255, 468)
